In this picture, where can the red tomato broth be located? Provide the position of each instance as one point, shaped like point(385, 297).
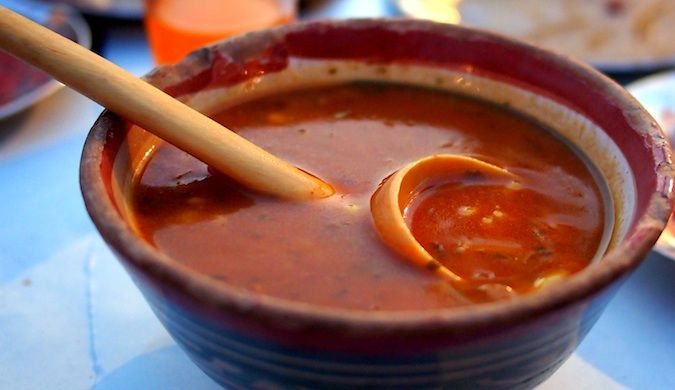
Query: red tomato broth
point(505, 236)
point(327, 252)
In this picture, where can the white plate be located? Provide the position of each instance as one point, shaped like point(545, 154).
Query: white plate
point(657, 95)
point(615, 36)
point(33, 85)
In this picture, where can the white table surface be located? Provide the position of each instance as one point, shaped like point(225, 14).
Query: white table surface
point(70, 318)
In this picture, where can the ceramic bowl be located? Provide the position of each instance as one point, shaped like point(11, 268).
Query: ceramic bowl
point(248, 340)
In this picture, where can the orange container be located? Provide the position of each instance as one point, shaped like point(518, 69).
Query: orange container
point(176, 27)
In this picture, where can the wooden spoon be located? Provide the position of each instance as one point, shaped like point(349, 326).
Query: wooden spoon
point(155, 111)
point(387, 205)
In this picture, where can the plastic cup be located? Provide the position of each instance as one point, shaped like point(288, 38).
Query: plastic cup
point(177, 27)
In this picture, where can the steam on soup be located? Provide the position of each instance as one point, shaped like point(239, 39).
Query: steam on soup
point(505, 241)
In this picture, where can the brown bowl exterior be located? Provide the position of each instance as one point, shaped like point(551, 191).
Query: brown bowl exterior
point(247, 340)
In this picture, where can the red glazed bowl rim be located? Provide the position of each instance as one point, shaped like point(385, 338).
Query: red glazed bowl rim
point(200, 290)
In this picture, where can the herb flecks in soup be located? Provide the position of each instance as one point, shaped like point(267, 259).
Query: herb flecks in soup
point(504, 241)
point(506, 236)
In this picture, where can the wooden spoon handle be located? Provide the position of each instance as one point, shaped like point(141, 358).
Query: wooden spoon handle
point(152, 109)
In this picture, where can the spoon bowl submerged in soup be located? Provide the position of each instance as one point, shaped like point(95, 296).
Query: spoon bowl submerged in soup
point(503, 238)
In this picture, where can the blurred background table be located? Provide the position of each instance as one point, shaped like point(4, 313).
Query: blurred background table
point(70, 318)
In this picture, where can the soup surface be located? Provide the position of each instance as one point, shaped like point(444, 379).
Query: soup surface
point(505, 240)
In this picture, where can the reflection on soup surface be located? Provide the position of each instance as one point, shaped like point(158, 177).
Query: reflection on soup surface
point(506, 240)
